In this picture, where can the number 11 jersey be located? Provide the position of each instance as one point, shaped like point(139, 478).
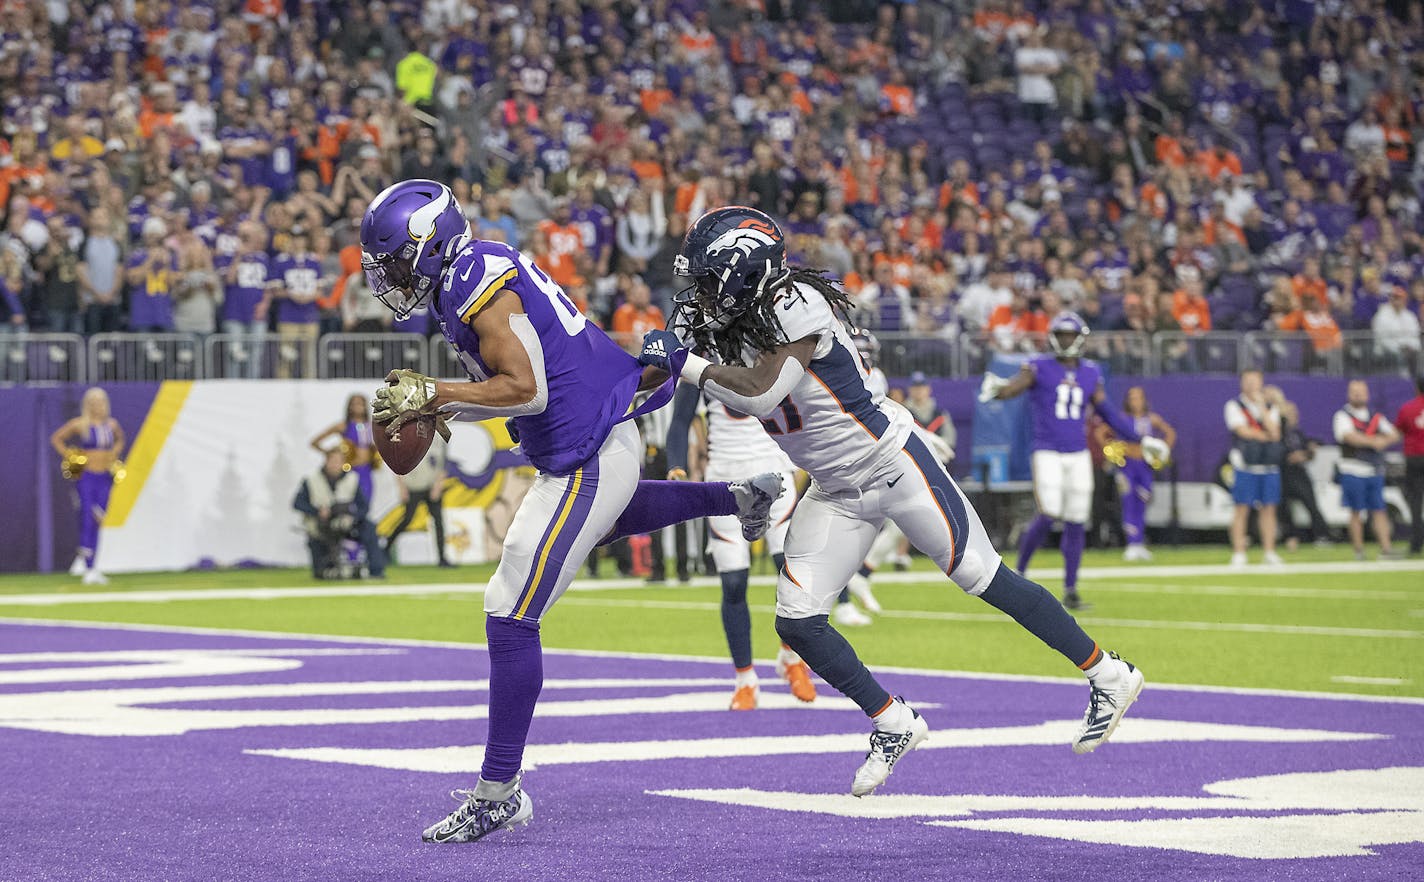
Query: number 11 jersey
point(1059, 399)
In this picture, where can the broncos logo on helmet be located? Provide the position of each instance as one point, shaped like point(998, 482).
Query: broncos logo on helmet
point(733, 255)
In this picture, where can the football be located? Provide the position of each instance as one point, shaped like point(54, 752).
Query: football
point(405, 451)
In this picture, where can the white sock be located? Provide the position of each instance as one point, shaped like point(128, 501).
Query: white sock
point(895, 718)
point(1105, 673)
point(746, 678)
point(789, 656)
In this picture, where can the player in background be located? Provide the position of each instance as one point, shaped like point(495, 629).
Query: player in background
point(90, 445)
point(788, 357)
point(1061, 386)
point(567, 391)
point(1134, 474)
point(1364, 435)
point(737, 446)
point(356, 443)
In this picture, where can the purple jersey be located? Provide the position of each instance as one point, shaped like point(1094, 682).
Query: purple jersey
point(1059, 398)
point(300, 275)
point(358, 434)
point(594, 225)
point(151, 299)
point(241, 297)
point(591, 381)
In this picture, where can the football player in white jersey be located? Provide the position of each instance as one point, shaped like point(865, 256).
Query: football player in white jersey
point(738, 444)
point(787, 357)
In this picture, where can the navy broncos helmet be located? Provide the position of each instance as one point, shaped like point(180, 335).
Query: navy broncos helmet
point(733, 255)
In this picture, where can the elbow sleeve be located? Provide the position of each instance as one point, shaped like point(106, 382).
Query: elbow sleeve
point(762, 404)
point(469, 413)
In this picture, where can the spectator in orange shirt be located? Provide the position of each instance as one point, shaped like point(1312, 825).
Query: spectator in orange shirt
point(1316, 321)
point(1189, 306)
point(557, 265)
point(160, 112)
point(636, 316)
point(1216, 160)
point(1015, 326)
point(698, 41)
point(653, 99)
point(1308, 284)
point(1168, 146)
point(897, 98)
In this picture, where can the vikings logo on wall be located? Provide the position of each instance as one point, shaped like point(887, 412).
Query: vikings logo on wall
point(634, 755)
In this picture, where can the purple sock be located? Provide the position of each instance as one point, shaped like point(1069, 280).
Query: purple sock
point(1032, 538)
point(1074, 537)
point(658, 504)
point(516, 676)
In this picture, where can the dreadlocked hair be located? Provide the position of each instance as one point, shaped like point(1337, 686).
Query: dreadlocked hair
point(757, 330)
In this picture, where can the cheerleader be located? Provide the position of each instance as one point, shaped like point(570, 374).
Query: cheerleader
point(356, 442)
point(90, 446)
point(1134, 474)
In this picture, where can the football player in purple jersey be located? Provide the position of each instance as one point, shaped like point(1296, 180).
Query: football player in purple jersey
point(1061, 386)
point(567, 391)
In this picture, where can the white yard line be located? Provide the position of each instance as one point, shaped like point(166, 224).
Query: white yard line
point(674, 657)
point(356, 589)
point(1368, 681)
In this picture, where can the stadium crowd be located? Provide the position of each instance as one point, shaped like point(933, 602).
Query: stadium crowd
point(202, 165)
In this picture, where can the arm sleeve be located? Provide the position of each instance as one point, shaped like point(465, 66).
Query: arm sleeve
point(684, 410)
point(1115, 419)
point(764, 403)
point(473, 413)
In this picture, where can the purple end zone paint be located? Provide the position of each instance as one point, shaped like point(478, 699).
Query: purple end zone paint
point(196, 806)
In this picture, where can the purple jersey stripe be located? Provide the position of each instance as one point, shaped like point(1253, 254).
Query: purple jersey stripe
point(563, 543)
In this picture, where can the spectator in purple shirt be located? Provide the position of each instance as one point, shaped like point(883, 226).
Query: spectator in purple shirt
point(151, 274)
point(248, 287)
point(298, 279)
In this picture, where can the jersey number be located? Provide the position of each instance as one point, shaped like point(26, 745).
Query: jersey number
point(789, 414)
point(1070, 402)
point(572, 320)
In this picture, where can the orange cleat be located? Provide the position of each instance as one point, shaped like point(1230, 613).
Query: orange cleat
point(745, 698)
point(799, 676)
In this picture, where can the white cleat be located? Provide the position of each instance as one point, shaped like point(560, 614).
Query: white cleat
point(94, 577)
point(79, 567)
point(1271, 559)
point(847, 616)
point(1107, 707)
point(476, 818)
point(1136, 552)
point(860, 589)
point(1238, 560)
point(886, 748)
point(754, 497)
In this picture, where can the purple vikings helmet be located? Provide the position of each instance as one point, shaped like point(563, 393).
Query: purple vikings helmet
point(1068, 334)
point(410, 233)
point(732, 255)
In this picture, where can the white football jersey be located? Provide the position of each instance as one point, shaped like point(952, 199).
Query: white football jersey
point(832, 424)
point(877, 383)
point(736, 437)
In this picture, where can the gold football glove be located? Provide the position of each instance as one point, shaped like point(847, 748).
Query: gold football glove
point(1115, 452)
point(405, 396)
point(1156, 452)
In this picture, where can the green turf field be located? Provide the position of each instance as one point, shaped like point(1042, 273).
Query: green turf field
point(1331, 625)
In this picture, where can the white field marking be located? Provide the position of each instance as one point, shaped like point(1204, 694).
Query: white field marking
point(718, 660)
point(1251, 591)
point(1000, 619)
point(1136, 731)
point(155, 664)
point(119, 712)
point(1368, 681)
point(455, 588)
point(1348, 812)
point(1356, 790)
